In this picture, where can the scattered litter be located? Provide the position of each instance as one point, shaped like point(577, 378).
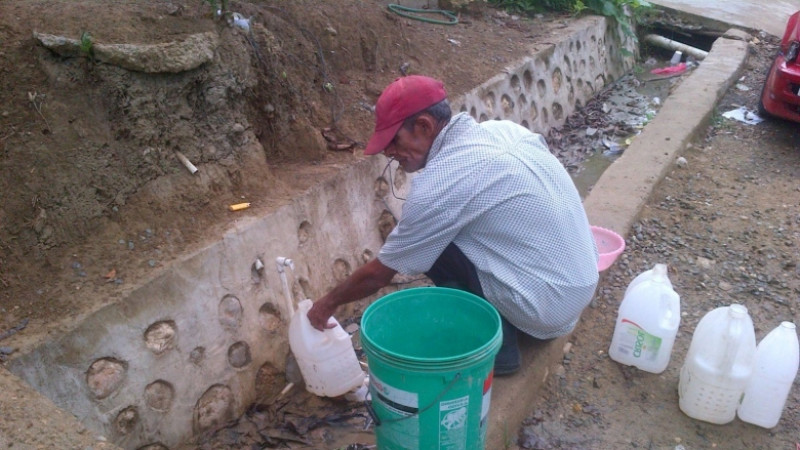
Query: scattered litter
point(742, 114)
point(111, 274)
point(454, 42)
point(183, 159)
point(241, 22)
point(671, 70)
point(591, 131)
point(239, 206)
point(742, 87)
point(14, 330)
point(681, 162)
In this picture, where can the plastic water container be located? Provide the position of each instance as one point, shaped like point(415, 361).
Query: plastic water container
point(647, 275)
point(326, 359)
point(776, 362)
point(718, 365)
point(647, 322)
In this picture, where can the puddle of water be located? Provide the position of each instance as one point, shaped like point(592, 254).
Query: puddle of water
point(621, 111)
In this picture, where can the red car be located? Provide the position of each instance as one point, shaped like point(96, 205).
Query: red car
point(780, 96)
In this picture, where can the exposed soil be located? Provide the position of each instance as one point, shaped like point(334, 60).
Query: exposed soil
point(92, 196)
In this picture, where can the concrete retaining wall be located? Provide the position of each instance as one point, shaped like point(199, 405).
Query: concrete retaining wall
point(186, 350)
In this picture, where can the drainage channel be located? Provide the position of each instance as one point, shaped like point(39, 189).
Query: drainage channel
point(214, 349)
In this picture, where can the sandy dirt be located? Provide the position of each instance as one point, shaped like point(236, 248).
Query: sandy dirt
point(92, 196)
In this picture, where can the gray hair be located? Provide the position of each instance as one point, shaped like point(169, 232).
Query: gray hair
point(439, 111)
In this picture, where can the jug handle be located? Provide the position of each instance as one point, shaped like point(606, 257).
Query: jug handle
point(733, 332)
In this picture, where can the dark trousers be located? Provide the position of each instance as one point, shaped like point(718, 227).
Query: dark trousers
point(454, 270)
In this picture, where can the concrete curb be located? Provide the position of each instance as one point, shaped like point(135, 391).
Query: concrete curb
point(615, 202)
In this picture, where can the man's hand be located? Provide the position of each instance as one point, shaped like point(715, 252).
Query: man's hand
point(366, 280)
point(320, 314)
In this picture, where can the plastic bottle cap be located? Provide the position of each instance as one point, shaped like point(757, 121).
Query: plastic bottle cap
point(789, 325)
point(737, 310)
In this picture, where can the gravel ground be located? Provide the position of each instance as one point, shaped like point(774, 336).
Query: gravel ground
point(726, 222)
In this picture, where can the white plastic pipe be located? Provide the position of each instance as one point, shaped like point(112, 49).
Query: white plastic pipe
point(282, 262)
point(669, 44)
point(186, 162)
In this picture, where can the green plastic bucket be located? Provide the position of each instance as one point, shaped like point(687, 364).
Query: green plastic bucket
point(431, 353)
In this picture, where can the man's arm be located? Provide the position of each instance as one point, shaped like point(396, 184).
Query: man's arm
point(365, 281)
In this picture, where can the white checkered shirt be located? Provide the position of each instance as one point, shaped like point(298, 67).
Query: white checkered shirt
point(495, 190)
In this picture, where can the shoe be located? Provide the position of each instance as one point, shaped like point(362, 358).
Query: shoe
point(508, 359)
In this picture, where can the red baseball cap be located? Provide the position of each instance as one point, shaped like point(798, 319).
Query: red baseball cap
point(403, 98)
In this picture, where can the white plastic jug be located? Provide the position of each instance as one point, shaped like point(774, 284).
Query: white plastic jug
point(648, 275)
point(718, 365)
point(776, 362)
point(326, 359)
point(647, 322)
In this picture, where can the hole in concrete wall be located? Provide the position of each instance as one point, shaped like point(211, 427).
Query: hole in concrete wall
point(515, 83)
point(269, 317)
point(507, 104)
point(297, 293)
point(304, 232)
point(489, 101)
point(541, 87)
point(341, 270)
point(474, 113)
point(545, 115)
point(105, 376)
point(463, 108)
point(590, 87)
point(571, 95)
point(400, 178)
point(230, 311)
point(583, 65)
point(126, 420)
point(567, 64)
point(599, 82)
point(578, 104)
point(558, 80)
point(386, 223)
point(579, 83)
point(158, 395)
point(592, 64)
point(534, 111)
point(525, 124)
point(367, 255)
point(304, 288)
point(381, 187)
point(239, 355)
point(160, 336)
point(558, 111)
point(578, 45)
point(197, 355)
point(156, 446)
point(522, 100)
point(483, 118)
point(269, 381)
point(571, 46)
point(527, 79)
point(214, 408)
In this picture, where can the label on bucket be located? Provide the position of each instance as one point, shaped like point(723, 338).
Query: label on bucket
point(402, 404)
point(634, 341)
point(453, 423)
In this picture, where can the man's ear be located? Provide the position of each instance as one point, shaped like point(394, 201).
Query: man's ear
point(426, 124)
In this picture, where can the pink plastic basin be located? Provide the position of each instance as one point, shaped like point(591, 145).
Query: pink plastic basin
point(609, 244)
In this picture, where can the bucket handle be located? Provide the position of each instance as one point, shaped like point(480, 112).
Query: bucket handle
point(379, 422)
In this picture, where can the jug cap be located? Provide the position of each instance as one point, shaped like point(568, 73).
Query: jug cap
point(788, 325)
point(737, 310)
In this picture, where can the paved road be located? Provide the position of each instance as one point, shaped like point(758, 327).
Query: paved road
point(767, 15)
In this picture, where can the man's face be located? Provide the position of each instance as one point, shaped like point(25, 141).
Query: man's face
point(410, 147)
